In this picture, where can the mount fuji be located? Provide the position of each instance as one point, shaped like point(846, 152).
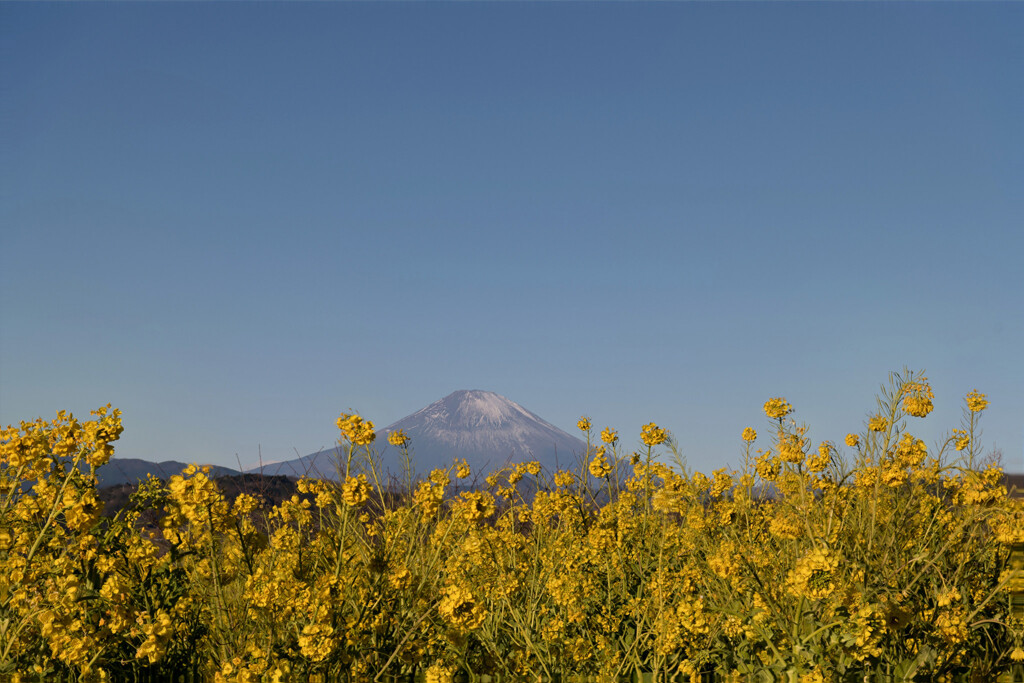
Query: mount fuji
point(482, 427)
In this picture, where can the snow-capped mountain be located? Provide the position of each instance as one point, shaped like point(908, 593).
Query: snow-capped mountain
point(484, 428)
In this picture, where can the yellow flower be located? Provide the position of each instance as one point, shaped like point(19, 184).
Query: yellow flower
point(777, 408)
point(767, 467)
point(749, 434)
point(814, 677)
point(429, 497)
point(917, 406)
point(358, 431)
point(976, 402)
point(722, 482)
point(398, 438)
point(584, 424)
point(813, 575)
point(917, 398)
point(355, 491)
point(462, 469)
point(947, 597)
point(563, 479)
point(476, 505)
point(440, 477)
point(910, 452)
point(460, 608)
point(818, 463)
point(244, 505)
point(652, 435)
point(438, 674)
point(785, 525)
point(316, 642)
point(400, 578)
point(878, 424)
point(599, 466)
point(609, 435)
point(852, 440)
point(700, 482)
point(791, 448)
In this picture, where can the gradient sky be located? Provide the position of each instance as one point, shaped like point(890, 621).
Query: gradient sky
point(235, 220)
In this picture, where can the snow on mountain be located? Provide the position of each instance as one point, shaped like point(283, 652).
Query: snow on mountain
point(482, 427)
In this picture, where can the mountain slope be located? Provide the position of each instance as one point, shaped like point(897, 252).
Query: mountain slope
point(482, 427)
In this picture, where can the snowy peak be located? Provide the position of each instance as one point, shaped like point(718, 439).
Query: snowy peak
point(485, 428)
point(470, 409)
point(484, 408)
point(482, 427)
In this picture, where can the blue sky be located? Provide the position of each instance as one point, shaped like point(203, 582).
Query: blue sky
point(234, 220)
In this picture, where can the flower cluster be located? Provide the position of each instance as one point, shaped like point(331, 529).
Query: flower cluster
point(356, 430)
point(808, 564)
point(976, 402)
point(600, 467)
point(917, 398)
point(653, 435)
point(777, 408)
point(397, 438)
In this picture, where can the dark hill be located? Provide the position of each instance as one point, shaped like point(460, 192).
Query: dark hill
point(132, 470)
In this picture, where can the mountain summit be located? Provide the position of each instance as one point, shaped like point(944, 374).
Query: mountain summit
point(487, 430)
point(482, 427)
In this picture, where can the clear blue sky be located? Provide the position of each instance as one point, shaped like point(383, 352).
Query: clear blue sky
point(234, 220)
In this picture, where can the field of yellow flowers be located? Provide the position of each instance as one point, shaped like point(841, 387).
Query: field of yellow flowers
point(871, 559)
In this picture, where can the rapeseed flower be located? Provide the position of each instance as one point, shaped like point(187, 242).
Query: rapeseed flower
point(777, 408)
point(791, 448)
point(476, 505)
point(813, 574)
point(356, 430)
point(722, 482)
point(398, 438)
point(917, 398)
point(459, 607)
point(819, 462)
point(564, 479)
point(652, 435)
point(316, 641)
point(599, 465)
point(767, 466)
point(976, 402)
point(355, 491)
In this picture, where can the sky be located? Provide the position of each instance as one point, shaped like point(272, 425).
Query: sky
point(234, 221)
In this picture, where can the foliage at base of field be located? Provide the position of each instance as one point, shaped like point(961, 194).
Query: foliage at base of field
point(868, 559)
